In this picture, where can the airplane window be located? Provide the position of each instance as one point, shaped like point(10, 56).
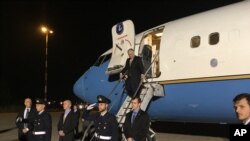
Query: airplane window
point(195, 41)
point(214, 38)
point(106, 58)
point(102, 59)
point(99, 60)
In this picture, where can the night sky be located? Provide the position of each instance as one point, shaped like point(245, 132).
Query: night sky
point(82, 32)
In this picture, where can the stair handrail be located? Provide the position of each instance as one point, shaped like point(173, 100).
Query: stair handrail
point(139, 86)
point(145, 74)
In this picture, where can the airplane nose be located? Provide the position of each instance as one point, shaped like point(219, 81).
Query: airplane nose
point(80, 88)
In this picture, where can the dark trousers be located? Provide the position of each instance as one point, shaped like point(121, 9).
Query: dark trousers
point(131, 87)
point(24, 137)
point(76, 128)
point(38, 137)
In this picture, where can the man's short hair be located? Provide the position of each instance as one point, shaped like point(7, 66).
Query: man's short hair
point(131, 49)
point(138, 98)
point(242, 96)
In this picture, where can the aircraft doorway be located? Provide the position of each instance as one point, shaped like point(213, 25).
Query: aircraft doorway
point(149, 51)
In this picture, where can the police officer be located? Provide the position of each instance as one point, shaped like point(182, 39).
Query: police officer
point(106, 126)
point(42, 123)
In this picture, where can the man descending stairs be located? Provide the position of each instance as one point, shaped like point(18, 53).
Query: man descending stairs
point(149, 90)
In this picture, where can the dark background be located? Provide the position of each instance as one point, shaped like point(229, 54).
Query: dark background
point(82, 32)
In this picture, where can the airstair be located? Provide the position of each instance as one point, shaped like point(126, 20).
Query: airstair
point(147, 92)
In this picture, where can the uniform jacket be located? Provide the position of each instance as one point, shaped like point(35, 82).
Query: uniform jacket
point(104, 125)
point(42, 122)
point(77, 114)
point(67, 127)
point(140, 127)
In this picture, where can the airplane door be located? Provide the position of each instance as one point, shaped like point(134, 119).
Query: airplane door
point(123, 36)
point(149, 51)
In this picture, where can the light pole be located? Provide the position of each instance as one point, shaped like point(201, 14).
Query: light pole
point(47, 31)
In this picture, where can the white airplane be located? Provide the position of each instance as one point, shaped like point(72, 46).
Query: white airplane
point(196, 66)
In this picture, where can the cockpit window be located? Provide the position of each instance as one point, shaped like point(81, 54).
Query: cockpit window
point(102, 59)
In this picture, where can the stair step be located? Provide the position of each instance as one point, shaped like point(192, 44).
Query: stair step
point(122, 115)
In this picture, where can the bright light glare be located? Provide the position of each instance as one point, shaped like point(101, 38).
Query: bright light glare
point(44, 29)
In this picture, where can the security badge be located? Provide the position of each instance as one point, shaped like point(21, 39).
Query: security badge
point(100, 99)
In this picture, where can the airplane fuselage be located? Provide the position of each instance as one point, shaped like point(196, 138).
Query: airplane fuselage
point(201, 62)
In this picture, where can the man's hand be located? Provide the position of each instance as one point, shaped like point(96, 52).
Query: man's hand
point(91, 106)
point(61, 133)
point(123, 77)
point(143, 77)
point(129, 139)
point(25, 130)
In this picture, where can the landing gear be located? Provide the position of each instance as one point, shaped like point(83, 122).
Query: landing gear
point(151, 135)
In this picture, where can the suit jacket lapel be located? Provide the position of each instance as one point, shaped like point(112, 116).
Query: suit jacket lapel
point(133, 62)
point(138, 115)
point(66, 117)
point(136, 118)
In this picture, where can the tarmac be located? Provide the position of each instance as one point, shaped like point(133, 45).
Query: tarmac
point(165, 131)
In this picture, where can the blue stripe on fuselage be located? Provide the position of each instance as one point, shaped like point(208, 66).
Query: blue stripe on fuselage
point(208, 102)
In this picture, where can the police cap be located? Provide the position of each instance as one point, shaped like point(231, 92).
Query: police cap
point(102, 99)
point(40, 101)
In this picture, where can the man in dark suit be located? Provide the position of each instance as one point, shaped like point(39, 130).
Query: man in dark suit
point(24, 121)
point(137, 122)
point(67, 123)
point(77, 116)
point(42, 123)
point(106, 126)
point(133, 73)
point(242, 107)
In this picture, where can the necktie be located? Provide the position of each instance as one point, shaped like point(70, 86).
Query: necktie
point(133, 117)
point(27, 114)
